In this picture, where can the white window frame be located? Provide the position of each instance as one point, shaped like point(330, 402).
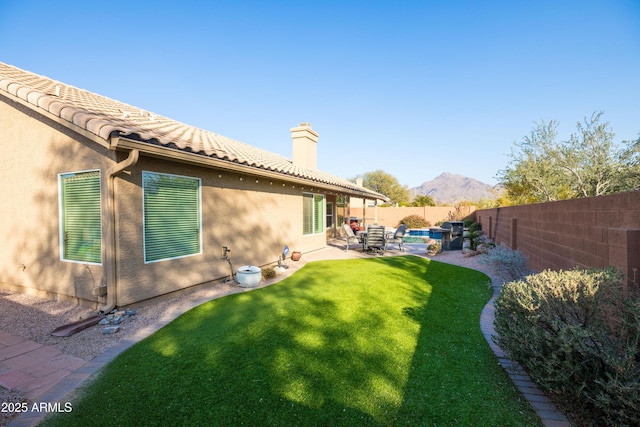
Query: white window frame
point(330, 215)
point(62, 209)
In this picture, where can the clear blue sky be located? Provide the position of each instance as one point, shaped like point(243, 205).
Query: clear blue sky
point(415, 88)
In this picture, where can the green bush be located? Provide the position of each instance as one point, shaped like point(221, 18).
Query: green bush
point(577, 333)
point(476, 236)
point(474, 226)
point(414, 221)
point(507, 261)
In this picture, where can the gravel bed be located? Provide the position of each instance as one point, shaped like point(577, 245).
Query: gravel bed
point(476, 261)
point(35, 318)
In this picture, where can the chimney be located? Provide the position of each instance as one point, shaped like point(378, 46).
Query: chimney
point(305, 146)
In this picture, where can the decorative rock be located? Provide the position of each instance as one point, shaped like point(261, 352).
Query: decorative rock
point(116, 317)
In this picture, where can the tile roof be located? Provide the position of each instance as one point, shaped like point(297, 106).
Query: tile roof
point(102, 117)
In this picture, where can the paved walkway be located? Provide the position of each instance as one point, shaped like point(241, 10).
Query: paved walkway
point(43, 374)
point(31, 368)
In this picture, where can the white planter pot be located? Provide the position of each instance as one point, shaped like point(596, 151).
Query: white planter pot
point(249, 276)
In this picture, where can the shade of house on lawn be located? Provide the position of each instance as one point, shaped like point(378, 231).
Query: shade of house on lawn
point(107, 204)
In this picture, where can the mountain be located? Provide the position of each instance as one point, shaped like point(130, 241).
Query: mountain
point(452, 188)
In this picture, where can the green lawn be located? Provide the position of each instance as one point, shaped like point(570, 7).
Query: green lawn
point(380, 341)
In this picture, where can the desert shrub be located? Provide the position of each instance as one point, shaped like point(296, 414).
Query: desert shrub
point(414, 221)
point(268, 272)
point(457, 214)
point(434, 248)
point(507, 261)
point(577, 333)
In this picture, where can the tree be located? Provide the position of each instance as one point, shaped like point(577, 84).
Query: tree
point(423, 200)
point(630, 176)
point(587, 164)
point(589, 158)
point(386, 184)
point(532, 175)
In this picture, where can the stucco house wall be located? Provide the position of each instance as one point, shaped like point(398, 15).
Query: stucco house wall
point(251, 200)
point(29, 225)
point(253, 219)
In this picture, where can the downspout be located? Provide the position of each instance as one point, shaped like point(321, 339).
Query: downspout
point(110, 230)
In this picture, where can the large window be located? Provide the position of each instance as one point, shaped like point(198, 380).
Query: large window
point(80, 220)
point(172, 216)
point(312, 213)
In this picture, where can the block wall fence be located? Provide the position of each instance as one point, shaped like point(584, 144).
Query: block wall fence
point(589, 232)
point(390, 216)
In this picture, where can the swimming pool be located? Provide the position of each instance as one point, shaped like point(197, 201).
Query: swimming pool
point(423, 232)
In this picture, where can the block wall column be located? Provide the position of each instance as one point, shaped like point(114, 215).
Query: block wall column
point(624, 252)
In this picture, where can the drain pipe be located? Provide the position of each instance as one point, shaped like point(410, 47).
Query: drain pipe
point(109, 275)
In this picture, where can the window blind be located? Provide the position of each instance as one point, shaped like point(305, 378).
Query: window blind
point(312, 213)
point(171, 216)
point(318, 213)
point(81, 219)
point(307, 213)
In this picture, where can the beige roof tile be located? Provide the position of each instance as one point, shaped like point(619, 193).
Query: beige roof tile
point(102, 116)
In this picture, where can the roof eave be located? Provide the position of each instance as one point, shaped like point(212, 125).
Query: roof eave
point(57, 119)
point(159, 151)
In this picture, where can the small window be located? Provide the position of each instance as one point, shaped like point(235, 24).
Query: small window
point(172, 216)
point(330, 215)
point(80, 217)
point(312, 213)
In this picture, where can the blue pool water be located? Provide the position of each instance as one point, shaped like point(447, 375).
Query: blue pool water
point(425, 233)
